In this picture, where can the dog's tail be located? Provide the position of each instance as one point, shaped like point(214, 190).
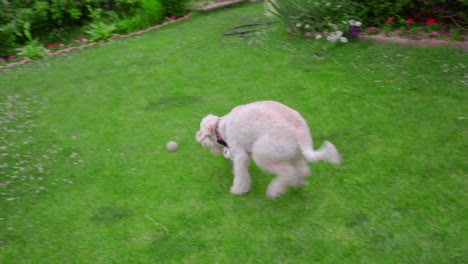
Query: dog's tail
point(327, 152)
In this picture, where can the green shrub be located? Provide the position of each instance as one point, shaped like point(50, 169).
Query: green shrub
point(100, 31)
point(50, 19)
point(8, 37)
point(32, 49)
point(153, 9)
point(331, 19)
point(448, 12)
point(150, 12)
point(177, 8)
point(375, 12)
point(122, 7)
point(134, 23)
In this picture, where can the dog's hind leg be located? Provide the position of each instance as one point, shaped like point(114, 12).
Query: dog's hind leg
point(286, 174)
point(302, 171)
point(241, 183)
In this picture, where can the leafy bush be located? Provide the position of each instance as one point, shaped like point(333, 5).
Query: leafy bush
point(32, 49)
point(446, 11)
point(51, 19)
point(100, 31)
point(375, 12)
point(325, 18)
point(153, 9)
point(8, 37)
point(149, 13)
point(177, 8)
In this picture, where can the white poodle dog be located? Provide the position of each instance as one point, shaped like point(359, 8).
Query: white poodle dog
point(274, 135)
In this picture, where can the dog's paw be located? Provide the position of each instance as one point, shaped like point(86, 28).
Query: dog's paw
point(298, 182)
point(226, 154)
point(275, 190)
point(240, 189)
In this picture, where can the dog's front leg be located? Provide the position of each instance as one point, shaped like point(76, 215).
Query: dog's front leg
point(241, 183)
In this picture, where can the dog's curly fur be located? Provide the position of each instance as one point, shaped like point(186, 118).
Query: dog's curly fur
point(275, 136)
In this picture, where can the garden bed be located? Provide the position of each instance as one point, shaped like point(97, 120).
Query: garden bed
point(87, 45)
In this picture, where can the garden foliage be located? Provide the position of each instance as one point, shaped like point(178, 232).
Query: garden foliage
point(333, 19)
point(374, 12)
point(175, 8)
point(325, 16)
point(50, 21)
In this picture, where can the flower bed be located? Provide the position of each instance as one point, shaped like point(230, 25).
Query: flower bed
point(408, 32)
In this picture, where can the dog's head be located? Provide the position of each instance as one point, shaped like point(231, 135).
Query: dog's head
point(206, 136)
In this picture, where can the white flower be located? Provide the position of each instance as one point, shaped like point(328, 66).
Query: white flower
point(298, 25)
point(355, 23)
point(343, 39)
point(307, 26)
point(331, 38)
point(318, 36)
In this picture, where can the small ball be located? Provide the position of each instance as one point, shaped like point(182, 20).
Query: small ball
point(171, 145)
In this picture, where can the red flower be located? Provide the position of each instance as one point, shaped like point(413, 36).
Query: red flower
point(431, 21)
point(80, 38)
point(389, 20)
point(409, 21)
point(50, 46)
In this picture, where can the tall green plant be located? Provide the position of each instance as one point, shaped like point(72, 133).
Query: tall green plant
point(153, 9)
point(98, 29)
point(9, 42)
point(375, 12)
point(285, 11)
point(176, 8)
point(331, 19)
point(33, 47)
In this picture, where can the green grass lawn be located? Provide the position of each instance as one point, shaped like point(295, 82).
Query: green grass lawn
point(85, 176)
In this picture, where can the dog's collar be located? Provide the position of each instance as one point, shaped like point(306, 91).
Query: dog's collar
point(219, 138)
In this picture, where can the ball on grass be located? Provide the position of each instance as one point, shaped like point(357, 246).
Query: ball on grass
point(171, 145)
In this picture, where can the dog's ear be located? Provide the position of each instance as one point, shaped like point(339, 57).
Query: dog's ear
point(200, 136)
point(207, 127)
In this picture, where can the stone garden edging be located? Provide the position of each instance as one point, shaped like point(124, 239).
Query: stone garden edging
point(417, 42)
